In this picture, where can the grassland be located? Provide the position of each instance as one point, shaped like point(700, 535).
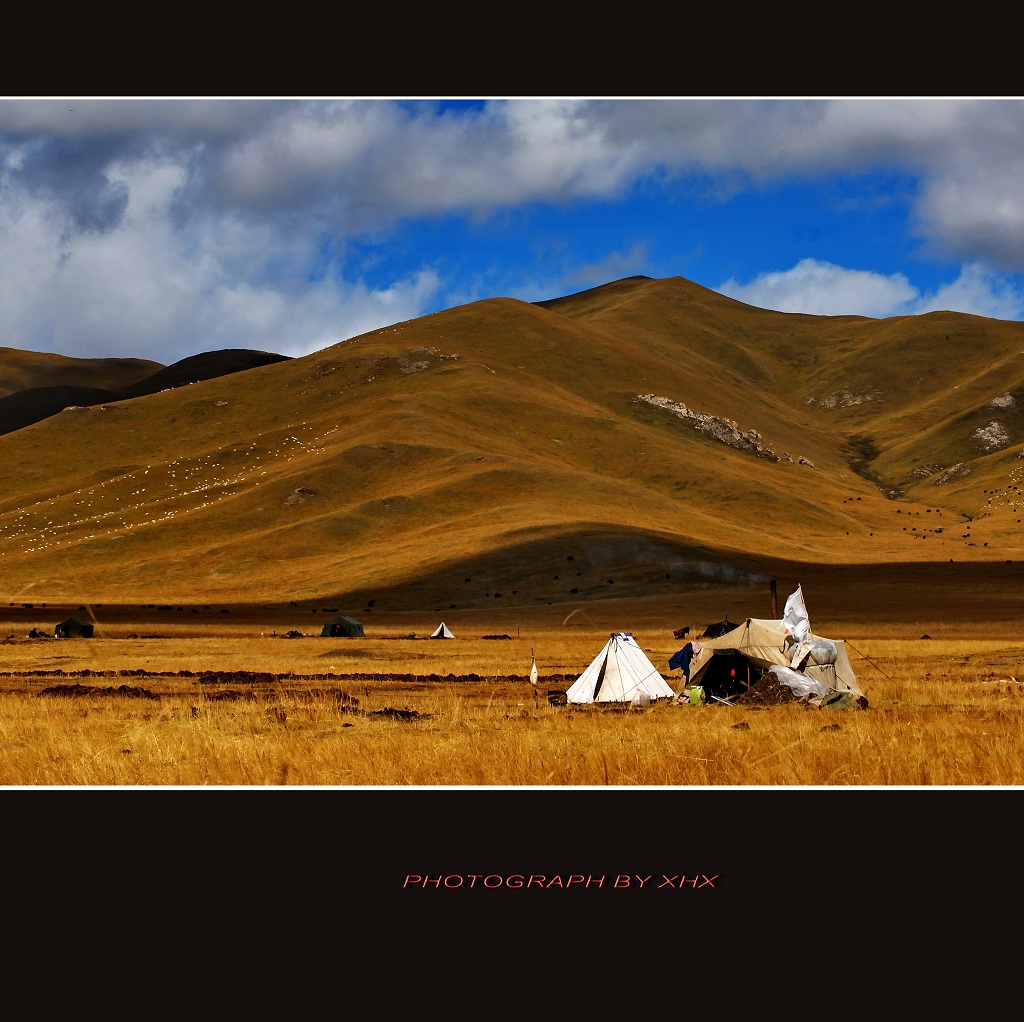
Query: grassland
point(235, 705)
point(639, 457)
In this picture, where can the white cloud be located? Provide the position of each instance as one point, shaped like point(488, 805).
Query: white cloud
point(152, 289)
point(375, 160)
point(159, 228)
point(265, 319)
point(979, 292)
point(76, 117)
point(824, 289)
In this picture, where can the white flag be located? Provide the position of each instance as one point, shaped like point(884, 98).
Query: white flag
point(795, 618)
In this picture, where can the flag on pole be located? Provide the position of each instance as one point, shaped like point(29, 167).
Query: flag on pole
point(794, 617)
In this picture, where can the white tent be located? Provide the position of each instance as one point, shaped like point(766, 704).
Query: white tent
point(620, 673)
point(442, 631)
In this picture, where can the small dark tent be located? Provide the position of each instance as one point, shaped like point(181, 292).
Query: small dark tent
point(343, 626)
point(718, 628)
point(73, 628)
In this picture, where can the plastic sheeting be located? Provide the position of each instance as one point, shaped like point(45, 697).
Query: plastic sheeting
point(813, 653)
point(794, 616)
point(802, 685)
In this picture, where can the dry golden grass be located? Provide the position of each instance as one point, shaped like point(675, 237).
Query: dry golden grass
point(491, 466)
point(495, 440)
point(941, 712)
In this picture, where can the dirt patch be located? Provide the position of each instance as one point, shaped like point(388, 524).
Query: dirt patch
point(767, 691)
point(237, 678)
point(394, 714)
point(266, 678)
point(82, 691)
point(230, 695)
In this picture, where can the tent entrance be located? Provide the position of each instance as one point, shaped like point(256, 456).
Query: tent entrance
point(728, 674)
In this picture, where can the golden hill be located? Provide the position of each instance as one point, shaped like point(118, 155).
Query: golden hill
point(27, 370)
point(646, 437)
point(36, 385)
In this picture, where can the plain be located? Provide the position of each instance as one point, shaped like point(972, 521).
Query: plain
point(166, 703)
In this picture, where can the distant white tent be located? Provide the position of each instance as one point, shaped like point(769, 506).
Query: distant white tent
point(442, 631)
point(620, 673)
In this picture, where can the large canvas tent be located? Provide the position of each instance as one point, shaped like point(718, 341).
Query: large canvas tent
point(343, 626)
point(442, 631)
point(620, 673)
point(73, 627)
point(814, 666)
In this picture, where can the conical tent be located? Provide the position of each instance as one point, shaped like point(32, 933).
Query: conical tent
point(442, 631)
point(620, 673)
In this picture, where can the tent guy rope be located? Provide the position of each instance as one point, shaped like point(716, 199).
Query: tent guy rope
point(869, 660)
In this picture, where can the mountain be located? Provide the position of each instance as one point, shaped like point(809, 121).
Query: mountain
point(645, 438)
point(208, 365)
point(25, 370)
point(34, 386)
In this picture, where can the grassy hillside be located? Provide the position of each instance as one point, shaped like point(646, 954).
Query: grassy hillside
point(22, 370)
point(639, 438)
point(22, 402)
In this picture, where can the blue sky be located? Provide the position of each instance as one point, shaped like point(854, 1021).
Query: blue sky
point(159, 228)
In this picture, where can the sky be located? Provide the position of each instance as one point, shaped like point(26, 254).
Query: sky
point(162, 227)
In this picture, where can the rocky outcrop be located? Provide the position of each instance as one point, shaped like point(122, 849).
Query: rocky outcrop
point(958, 471)
point(992, 437)
point(417, 359)
point(844, 399)
point(723, 430)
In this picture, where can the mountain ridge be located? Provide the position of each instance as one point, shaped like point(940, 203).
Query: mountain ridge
point(662, 435)
point(24, 401)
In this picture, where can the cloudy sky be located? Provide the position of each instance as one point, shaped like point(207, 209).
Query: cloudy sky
point(160, 228)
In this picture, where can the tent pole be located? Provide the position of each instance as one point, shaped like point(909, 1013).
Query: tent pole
point(775, 601)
